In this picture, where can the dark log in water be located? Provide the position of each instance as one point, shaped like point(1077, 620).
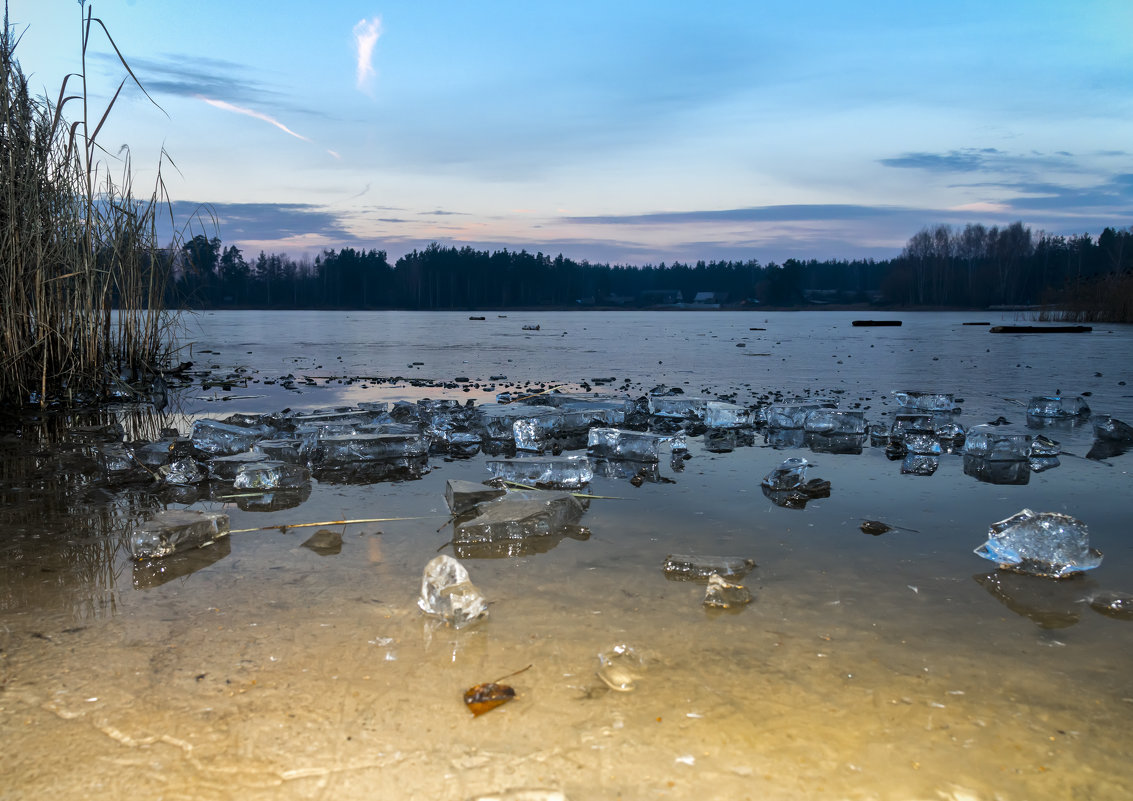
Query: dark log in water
point(876, 322)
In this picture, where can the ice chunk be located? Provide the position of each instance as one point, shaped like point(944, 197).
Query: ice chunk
point(182, 472)
point(405, 468)
point(835, 421)
point(926, 444)
point(1038, 464)
point(789, 415)
point(1057, 407)
point(920, 464)
point(698, 567)
point(790, 473)
point(925, 401)
point(998, 471)
point(225, 468)
point(1043, 446)
point(718, 414)
point(911, 423)
point(723, 595)
point(447, 593)
point(463, 496)
point(271, 475)
point(221, 439)
point(352, 448)
point(678, 407)
point(498, 420)
point(615, 443)
point(562, 472)
point(289, 450)
point(519, 515)
point(1111, 429)
point(114, 459)
point(176, 530)
point(1043, 544)
point(997, 443)
point(536, 433)
point(619, 667)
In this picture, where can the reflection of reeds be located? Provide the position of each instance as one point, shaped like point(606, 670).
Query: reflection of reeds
point(73, 244)
point(1108, 299)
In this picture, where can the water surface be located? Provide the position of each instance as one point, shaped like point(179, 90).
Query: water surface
point(893, 667)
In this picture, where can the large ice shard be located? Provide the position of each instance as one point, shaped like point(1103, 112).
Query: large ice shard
point(520, 515)
point(925, 401)
point(834, 421)
point(560, 472)
point(789, 415)
point(1042, 544)
point(718, 414)
point(997, 443)
point(790, 473)
point(449, 594)
point(680, 407)
point(221, 439)
point(176, 530)
point(616, 443)
point(1056, 407)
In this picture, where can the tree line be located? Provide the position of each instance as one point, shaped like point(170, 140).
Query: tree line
point(973, 266)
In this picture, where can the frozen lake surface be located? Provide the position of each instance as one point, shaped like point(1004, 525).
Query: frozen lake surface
point(899, 666)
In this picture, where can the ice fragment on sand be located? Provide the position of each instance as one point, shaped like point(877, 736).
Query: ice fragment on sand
point(691, 567)
point(722, 595)
point(620, 667)
point(447, 593)
point(1043, 544)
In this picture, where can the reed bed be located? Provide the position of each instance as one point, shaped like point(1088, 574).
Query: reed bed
point(81, 271)
point(1107, 299)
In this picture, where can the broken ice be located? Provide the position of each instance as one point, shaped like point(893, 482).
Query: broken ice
point(351, 448)
point(925, 401)
point(790, 473)
point(835, 421)
point(678, 407)
point(1043, 544)
point(718, 414)
point(789, 415)
point(221, 439)
point(447, 593)
point(270, 475)
point(563, 472)
point(176, 530)
point(997, 443)
point(1057, 407)
point(519, 515)
point(721, 594)
point(920, 464)
point(464, 496)
point(1111, 429)
point(614, 443)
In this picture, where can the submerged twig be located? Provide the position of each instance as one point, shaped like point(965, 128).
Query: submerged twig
point(575, 494)
point(285, 526)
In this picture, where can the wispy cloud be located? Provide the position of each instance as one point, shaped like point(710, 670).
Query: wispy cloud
point(366, 33)
point(224, 105)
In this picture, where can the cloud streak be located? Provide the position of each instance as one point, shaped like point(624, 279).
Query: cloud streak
point(366, 33)
point(224, 105)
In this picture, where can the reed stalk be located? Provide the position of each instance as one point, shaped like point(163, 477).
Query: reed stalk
point(81, 271)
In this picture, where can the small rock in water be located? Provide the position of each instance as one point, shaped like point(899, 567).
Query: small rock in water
point(324, 542)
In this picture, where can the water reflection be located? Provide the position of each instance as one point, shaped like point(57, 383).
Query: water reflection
point(155, 572)
point(997, 472)
point(1050, 603)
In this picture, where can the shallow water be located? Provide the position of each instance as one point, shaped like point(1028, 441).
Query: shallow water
point(893, 667)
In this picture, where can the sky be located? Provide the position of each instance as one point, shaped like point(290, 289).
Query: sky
point(618, 132)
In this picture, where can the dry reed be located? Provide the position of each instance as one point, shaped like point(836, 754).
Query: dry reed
point(81, 272)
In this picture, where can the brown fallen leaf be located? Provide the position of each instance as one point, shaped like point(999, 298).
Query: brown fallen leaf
point(487, 696)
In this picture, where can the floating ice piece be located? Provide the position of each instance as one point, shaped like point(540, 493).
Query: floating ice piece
point(1111, 429)
point(464, 496)
point(225, 468)
point(498, 420)
point(1043, 544)
point(1043, 446)
point(790, 473)
point(221, 439)
point(519, 515)
point(789, 415)
point(723, 595)
point(114, 459)
point(1057, 407)
point(678, 407)
point(562, 472)
point(270, 475)
point(615, 443)
point(289, 450)
point(352, 448)
point(176, 530)
point(926, 444)
point(920, 464)
point(835, 421)
point(718, 414)
point(447, 593)
point(699, 567)
point(182, 472)
point(926, 401)
point(997, 443)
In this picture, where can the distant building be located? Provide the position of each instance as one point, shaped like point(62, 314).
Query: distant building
point(708, 299)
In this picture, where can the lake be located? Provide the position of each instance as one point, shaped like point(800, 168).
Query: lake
point(900, 666)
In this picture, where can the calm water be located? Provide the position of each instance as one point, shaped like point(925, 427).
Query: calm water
point(893, 667)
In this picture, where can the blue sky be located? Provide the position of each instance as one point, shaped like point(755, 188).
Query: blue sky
point(621, 132)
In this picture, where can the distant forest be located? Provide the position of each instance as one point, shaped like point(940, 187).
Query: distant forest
point(940, 266)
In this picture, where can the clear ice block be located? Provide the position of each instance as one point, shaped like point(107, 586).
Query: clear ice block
point(721, 594)
point(919, 464)
point(271, 475)
point(835, 421)
point(182, 472)
point(519, 515)
point(679, 407)
point(464, 496)
point(925, 401)
point(351, 448)
point(498, 420)
point(176, 530)
point(926, 444)
point(997, 443)
point(1056, 407)
point(789, 415)
point(790, 473)
point(1006, 472)
point(447, 593)
point(562, 472)
point(718, 414)
point(221, 439)
point(1043, 544)
point(615, 443)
